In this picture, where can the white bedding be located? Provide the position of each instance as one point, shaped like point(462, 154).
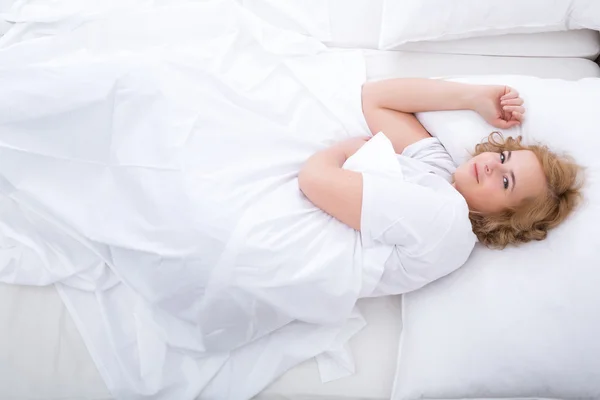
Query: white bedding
point(385, 64)
point(374, 350)
point(185, 256)
point(52, 360)
point(412, 21)
point(582, 43)
point(358, 24)
point(4, 7)
point(338, 23)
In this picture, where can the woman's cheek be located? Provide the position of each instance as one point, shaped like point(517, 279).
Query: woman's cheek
point(490, 188)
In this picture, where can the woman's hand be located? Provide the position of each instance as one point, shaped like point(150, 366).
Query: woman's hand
point(500, 106)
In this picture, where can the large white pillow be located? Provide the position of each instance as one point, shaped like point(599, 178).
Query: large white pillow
point(522, 322)
point(419, 20)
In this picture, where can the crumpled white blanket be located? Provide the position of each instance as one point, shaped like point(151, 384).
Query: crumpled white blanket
point(151, 175)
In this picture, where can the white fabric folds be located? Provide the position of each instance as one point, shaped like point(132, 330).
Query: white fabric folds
point(151, 174)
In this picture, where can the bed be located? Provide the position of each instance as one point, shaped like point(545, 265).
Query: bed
point(42, 354)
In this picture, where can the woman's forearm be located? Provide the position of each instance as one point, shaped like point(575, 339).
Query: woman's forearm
point(333, 157)
point(412, 95)
point(331, 188)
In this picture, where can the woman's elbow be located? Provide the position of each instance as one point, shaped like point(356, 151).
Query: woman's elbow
point(307, 180)
point(368, 96)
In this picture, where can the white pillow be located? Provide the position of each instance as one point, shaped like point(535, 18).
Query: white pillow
point(419, 20)
point(521, 322)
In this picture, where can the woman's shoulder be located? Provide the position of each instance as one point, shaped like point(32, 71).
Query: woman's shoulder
point(430, 155)
point(425, 147)
point(447, 226)
point(456, 240)
point(456, 215)
point(448, 240)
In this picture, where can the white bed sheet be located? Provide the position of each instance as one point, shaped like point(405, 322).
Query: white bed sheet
point(4, 26)
point(42, 354)
point(374, 349)
point(4, 7)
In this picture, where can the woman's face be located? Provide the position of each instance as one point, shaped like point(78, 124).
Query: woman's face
point(492, 182)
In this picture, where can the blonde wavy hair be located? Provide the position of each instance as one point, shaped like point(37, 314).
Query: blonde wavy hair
point(532, 219)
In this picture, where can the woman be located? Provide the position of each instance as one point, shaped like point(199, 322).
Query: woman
point(191, 236)
point(514, 193)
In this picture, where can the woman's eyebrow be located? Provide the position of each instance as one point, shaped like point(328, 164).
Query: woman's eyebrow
point(512, 175)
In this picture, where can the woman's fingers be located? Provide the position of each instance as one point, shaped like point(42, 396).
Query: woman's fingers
point(512, 102)
point(517, 116)
point(512, 94)
point(514, 121)
point(513, 109)
point(502, 124)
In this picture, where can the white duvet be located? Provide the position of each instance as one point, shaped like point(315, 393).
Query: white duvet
point(151, 175)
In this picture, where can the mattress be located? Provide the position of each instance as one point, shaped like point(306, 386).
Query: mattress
point(388, 64)
point(42, 354)
point(357, 24)
point(582, 43)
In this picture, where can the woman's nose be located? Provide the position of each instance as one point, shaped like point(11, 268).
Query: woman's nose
point(491, 166)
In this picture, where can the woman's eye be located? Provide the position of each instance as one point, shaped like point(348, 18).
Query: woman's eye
point(505, 179)
point(502, 158)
